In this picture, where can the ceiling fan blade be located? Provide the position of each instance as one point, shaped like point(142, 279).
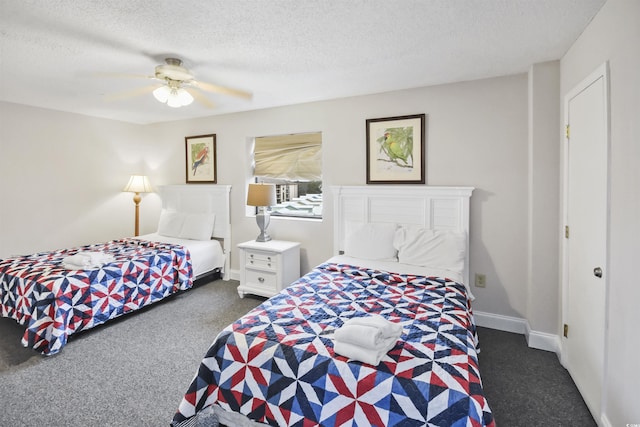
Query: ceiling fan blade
point(200, 98)
point(123, 75)
point(131, 93)
point(221, 89)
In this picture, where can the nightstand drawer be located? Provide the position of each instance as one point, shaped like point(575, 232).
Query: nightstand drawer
point(264, 279)
point(261, 260)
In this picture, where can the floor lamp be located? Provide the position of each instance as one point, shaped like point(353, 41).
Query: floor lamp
point(138, 184)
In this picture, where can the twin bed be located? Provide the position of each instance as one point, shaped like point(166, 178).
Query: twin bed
point(53, 300)
point(402, 254)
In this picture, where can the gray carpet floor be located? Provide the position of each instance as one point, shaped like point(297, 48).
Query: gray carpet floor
point(130, 372)
point(135, 370)
point(526, 387)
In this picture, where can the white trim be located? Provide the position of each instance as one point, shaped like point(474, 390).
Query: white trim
point(543, 340)
point(604, 421)
point(234, 275)
point(516, 325)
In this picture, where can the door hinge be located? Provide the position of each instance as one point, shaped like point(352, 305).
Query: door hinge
point(566, 131)
point(566, 331)
point(566, 231)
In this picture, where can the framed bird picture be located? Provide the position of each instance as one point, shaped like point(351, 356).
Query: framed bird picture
point(201, 159)
point(396, 150)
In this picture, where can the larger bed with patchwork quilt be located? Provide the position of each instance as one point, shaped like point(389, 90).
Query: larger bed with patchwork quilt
point(279, 364)
point(55, 298)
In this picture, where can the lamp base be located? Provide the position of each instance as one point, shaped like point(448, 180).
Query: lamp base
point(263, 237)
point(263, 219)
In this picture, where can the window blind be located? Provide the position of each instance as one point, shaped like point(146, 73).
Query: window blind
point(296, 157)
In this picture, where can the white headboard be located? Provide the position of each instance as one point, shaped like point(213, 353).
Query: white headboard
point(203, 198)
point(436, 208)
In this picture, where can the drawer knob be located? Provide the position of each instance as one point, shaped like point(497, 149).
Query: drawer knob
point(261, 279)
point(251, 255)
point(269, 264)
point(269, 258)
point(251, 261)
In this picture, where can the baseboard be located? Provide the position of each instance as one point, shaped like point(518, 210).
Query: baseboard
point(500, 322)
point(234, 274)
point(517, 325)
point(543, 340)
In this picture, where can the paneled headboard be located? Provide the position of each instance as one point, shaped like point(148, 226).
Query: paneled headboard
point(436, 208)
point(203, 198)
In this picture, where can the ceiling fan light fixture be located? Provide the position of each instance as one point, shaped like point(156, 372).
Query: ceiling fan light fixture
point(162, 94)
point(173, 97)
point(184, 97)
point(174, 101)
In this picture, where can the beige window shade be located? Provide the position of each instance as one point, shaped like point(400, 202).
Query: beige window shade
point(292, 157)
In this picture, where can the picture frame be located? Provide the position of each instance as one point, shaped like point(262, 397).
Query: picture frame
point(201, 161)
point(396, 150)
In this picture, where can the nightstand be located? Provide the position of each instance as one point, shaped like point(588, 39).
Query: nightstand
point(268, 267)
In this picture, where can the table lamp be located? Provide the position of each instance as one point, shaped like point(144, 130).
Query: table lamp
point(262, 196)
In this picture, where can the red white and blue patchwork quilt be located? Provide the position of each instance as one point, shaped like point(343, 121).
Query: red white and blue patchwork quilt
point(277, 365)
point(53, 302)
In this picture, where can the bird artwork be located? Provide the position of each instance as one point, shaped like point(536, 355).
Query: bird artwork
point(200, 158)
point(397, 145)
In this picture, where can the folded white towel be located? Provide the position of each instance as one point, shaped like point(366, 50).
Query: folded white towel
point(362, 354)
point(368, 331)
point(77, 259)
point(71, 266)
point(362, 336)
point(98, 257)
point(388, 328)
point(367, 338)
point(87, 260)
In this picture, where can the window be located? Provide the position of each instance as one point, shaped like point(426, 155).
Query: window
point(294, 164)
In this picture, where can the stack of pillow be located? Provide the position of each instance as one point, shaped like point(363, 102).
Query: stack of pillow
point(407, 244)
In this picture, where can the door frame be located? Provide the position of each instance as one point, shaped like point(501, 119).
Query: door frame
point(601, 71)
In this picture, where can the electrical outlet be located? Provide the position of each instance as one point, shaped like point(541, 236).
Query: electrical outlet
point(481, 280)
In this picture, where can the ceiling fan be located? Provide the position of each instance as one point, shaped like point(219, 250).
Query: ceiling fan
point(178, 84)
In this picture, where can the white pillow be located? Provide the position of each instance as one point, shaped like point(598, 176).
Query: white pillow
point(370, 240)
point(442, 249)
point(197, 226)
point(170, 223)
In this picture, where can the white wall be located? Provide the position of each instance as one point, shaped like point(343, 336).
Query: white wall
point(613, 36)
point(543, 283)
point(476, 135)
point(61, 177)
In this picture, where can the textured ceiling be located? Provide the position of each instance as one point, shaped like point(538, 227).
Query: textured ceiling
point(73, 55)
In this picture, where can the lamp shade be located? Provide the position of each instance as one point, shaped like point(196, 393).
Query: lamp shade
point(138, 184)
point(261, 195)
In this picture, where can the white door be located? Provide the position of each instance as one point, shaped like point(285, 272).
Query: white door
point(585, 249)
